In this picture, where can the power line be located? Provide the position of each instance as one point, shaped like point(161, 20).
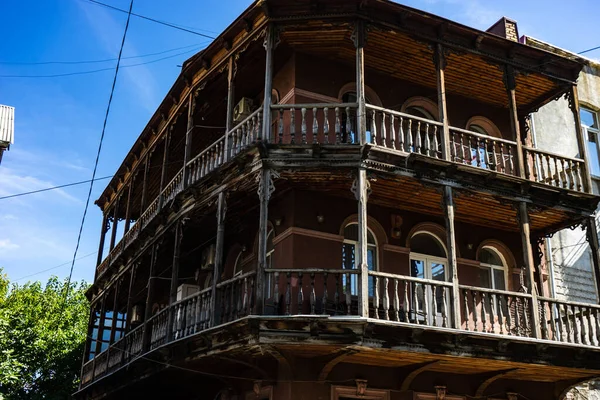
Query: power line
point(112, 91)
point(99, 61)
point(54, 187)
point(51, 268)
point(98, 70)
point(165, 23)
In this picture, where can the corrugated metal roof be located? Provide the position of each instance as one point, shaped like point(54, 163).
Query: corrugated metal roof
point(7, 124)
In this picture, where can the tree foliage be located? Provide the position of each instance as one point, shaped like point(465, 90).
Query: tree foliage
point(41, 339)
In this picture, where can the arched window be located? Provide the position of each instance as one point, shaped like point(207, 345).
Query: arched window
point(269, 260)
point(349, 254)
point(493, 269)
point(428, 260)
point(421, 107)
point(348, 95)
point(487, 157)
point(237, 267)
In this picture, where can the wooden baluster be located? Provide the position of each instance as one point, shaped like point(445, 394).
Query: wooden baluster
point(434, 310)
point(245, 310)
point(326, 125)
point(467, 312)
point(576, 328)
point(259, 120)
point(484, 320)
point(571, 175)
point(475, 316)
point(445, 312)
point(436, 144)
point(348, 294)
point(579, 177)
point(376, 297)
point(526, 154)
point(486, 154)
point(383, 131)
point(426, 305)
point(313, 296)
point(373, 127)
point(280, 126)
point(511, 163)
point(292, 126)
point(393, 137)
point(567, 324)
point(540, 160)
point(493, 302)
point(563, 173)
point(409, 138)
point(396, 301)
point(348, 138)
point(517, 302)
point(549, 169)
point(586, 324)
point(288, 294)
point(300, 307)
point(336, 295)
point(415, 306)
point(509, 326)
point(494, 164)
point(406, 303)
point(275, 291)
point(303, 125)
point(338, 127)
point(427, 143)
point(477, 149)
point(501, 323)
point(597, 327)
point(526, 308)
point(386, 300)
point(556, 172)
point(325, 296)
point(315, 127)
point(401, 133)
point(543, 319)
point(453, 155)
point(418, 138)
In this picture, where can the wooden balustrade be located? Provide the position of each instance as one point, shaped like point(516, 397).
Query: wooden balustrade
point(235, 297)
point(191, 314)
point(207, 161)
point(87, 372)
point(244, 134)
point(570, 322)
point(311, 291)
point(134, 343)
point(412, 300)
point(101, 364)
point(148, 215)
point(404, 132)
point(496, 311)
point(158, 328)
point(173, 188)
point(319, 123)
point(553, 169)
point(116, 353)
point(483, 151)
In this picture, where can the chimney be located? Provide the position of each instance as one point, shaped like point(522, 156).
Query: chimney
point(506, 28)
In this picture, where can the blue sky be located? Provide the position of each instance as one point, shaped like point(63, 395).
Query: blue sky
point(59, 120)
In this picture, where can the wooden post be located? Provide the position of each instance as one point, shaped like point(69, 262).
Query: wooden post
point(102, 238)
point(592, 237)
point(174, 277)
point(530, 266)
point(165, 161)
point(359, 43)
point(361, 188)
point(145, 184)
point(265, 190)
point(581, 140)
point(230, 101)
point(440, 65)
point(128, 206)
point(129, 295)
point(271, 41)
point(100, 334)
point(115, 224)
point(188, 139)
point(149, 297)
point(451, 244)
point(115, 313)
point(221, 210)
point(510, 83)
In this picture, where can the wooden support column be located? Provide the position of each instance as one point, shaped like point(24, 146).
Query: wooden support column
point(510, 84)
point(145, 184)
point(100, 325)
point(361, 189)
point(270, 43)
point(218, 267)
point(102, 238)
point(129, 296)
point(361, 117)
point(149, 297)
point(230, 104)
point(440, 66)
point(265, 190)
point(581, 139)
point(115, 312)
point(448, 202)
point(174, 277)
point(188, 139)
point(523, 218)
point(592, 237)
point(165, 162)
point(115, 224)
point(128, 206)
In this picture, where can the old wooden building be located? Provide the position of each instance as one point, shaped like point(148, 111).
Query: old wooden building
point(337, 200)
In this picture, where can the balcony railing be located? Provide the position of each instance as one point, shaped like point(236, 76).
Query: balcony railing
point(335, 124)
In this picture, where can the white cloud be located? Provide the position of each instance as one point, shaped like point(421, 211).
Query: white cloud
point(7, 244)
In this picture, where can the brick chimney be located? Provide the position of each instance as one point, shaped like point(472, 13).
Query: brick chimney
point(506, 28)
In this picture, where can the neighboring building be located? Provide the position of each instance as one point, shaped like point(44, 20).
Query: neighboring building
point(7, 128)
point(572, 263)
point(366, 224)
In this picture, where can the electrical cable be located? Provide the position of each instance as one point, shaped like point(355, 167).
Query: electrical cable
point(169, 24)
point(100, 61)
point(99, 70)
point(54, 187)
point(51, 268)
point(112, 91)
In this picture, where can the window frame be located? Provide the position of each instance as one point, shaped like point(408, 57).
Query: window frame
point(354, 277)
point(492, 267)
point(596, 132)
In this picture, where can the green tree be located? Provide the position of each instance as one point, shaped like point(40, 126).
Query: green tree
point(41, 339)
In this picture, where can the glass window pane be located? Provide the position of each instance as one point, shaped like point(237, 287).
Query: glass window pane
point(348, 256)
point(485, 280)
point(438, 272)
point(417, 268)
point(499, 279)
point(588, 118)
point(489, 256)
point(425, 243)
point(351, 232)
point(593, 158)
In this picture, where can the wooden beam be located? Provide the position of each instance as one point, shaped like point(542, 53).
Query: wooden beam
point(265, 190)
point(523, 217)
point(592, 237)
point(581, 140)
point(102, 239)
point(510, 84)
point(335, 360)
point(115, 223)
point(128, 207)
point(221, 210)
point(416, 372)
point(359, 43)
point(149, 297)
point(440, 65)
point(188, 138)
point(165, 161)
point(129, 296)
point(486, 383)
point(269, 44)
point(448, 201)
point(361, 188)
point(145, 184)
point(230, 102)
point(174, 277)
